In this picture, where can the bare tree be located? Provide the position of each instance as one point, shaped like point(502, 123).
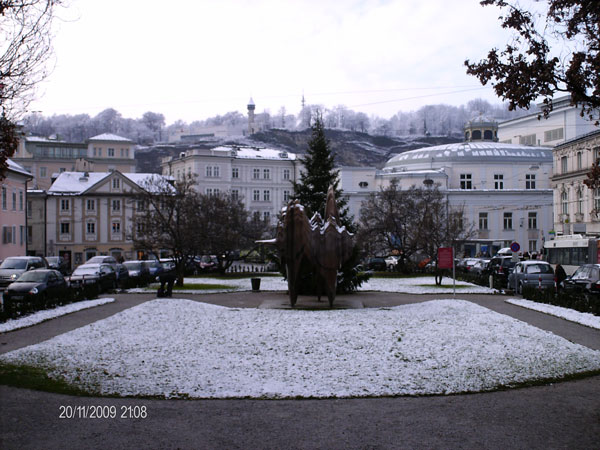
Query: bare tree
point(25, 46)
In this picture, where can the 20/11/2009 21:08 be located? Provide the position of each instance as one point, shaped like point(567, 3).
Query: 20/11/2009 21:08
point(102, 412)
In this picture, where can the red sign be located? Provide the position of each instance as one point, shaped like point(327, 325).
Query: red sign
point(445, 257)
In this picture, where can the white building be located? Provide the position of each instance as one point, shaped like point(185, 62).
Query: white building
point(563, 123)
point(576, 207)
point(504, 188)
point(261, 177)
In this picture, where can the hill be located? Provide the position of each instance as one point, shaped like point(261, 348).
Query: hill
point(348, 147)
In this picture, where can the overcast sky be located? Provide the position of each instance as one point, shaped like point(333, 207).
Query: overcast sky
point(195, 59)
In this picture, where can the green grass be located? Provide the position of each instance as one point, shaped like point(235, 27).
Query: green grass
point(35, 378)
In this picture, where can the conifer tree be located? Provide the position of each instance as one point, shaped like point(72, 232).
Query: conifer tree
point(319, 173)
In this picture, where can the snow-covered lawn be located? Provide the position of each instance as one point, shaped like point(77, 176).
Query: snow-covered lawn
point(416, 285)
point(586, 319)
point(182, 348)
point(42, 316)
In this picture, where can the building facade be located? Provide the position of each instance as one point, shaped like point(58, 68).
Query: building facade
point(13, 216)
point(92, 213)
point(262, 178)
point(44, 158)
point(576, 207)
point(564, 123)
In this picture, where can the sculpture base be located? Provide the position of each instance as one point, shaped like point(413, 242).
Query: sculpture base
point(311, 303)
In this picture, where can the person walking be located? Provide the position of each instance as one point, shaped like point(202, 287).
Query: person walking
point(559, 275)
point(167, 278)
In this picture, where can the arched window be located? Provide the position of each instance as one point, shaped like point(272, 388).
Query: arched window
point(488, 135)
point(564, 202)
point(476, 135)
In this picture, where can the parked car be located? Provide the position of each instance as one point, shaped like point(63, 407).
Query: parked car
point(377, 264)
point(391, 262)
point(585, 279)
point(501, 267)
point(103, 259)
point(122, 275)
point(208, 263)
point(139, 274)
point(58, 263)
point(466, 264)
point(480, 267)
point(36, 287)
point(14, 266)
point(101, 275)
point(531, 274)
point(154, 267)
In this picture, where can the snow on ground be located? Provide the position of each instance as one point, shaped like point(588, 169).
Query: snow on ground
point(587, 319)
point(416, 285)
point(42, 316)
point(181, 348)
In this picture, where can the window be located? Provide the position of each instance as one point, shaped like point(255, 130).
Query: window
point(29, 233)
point(116, 227)
point(42, 172)
point(95, 151)
point(7, 235)
point(235, 172)
point(141, 205)
point(508, 221)
point(286, 196)
point(256, 216)
point(498, 181)
point(580, 201)
point(90, 228)
point(209, 191)
point(116, 205)
point(65, 227)
point(3, 198)
point(235, 194)
point(564, 196)
point(267, 195)
point(465, 181)
point(256, 195)
point(532, 221)
point(111, 152)
point(65, 205)
point(563, 164)
point(532, 246)
point(62, 169)
point(596, 152)
point(139, 226)
point(209, 171)
point(579, 161)
point(116, 183)
point(216, 171)
point(255, 174)
point(267, 174)
point(29, 209)
point(14, 200)
point(597, 200)
point(21, 200)
point(527, 140)
point(553, 135)
point(90, 205)
point(530, 181)
point(483, 221)
point(286, 174)
point(266, 216)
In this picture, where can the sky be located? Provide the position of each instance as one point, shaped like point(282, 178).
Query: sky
point(191, 60)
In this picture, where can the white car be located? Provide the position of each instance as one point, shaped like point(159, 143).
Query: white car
point(391, 262)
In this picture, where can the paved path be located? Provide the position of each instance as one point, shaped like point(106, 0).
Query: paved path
point(563, 415)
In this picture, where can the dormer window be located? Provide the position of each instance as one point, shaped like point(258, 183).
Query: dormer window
point(363, 184)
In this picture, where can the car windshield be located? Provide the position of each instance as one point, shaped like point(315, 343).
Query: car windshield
point(96, 259)
point(52, 259)
point(14, 263)
point(133, 265)
point(582, 273)
point(33, 277)
point(86, 270)
point(539, 268)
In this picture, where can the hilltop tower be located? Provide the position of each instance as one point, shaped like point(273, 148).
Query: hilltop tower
point(481, 128)
point(251, 108)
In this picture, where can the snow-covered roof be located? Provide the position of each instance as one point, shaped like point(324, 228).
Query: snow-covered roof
point(79, 182)
point(15, 167)
point(480, 152)
point(109, 137)
point(256, 153)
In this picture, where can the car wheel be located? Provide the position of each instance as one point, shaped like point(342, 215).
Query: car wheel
point(520, 288)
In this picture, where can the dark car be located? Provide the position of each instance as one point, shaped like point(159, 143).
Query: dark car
point(531, 274)
point(14, 266)
point(154, 267)
point(36, 287)
point(101, 276)
point(377, 264)
point(58, 263)
point(122, 275)
point(585, 279)
point(501, 267)
point(138, 272)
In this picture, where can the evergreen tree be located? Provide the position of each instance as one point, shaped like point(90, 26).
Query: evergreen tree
point(319, 173)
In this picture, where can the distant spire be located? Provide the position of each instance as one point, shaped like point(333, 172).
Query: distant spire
point(303, 101)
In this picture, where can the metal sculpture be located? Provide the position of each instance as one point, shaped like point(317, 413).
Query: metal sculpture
point(323, 244)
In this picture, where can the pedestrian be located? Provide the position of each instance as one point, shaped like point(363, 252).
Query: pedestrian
point(167, 278)
point(559, 275)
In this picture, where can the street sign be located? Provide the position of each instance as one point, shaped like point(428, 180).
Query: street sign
point(515, 247)
point(445, 256)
